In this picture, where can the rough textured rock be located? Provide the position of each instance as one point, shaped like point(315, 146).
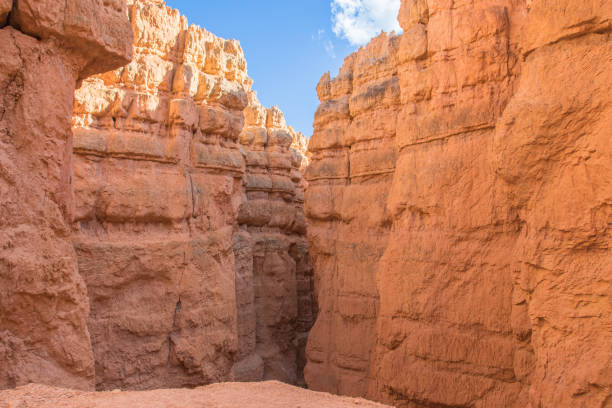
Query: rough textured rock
point(275, 274)
point(552, 150)
point(5, 9)
point(188, 223)
point(229, 395)
point(348, 223)
point(47, 46)
point(459, 209)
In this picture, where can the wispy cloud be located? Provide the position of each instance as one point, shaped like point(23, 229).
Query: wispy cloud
point(329, 48)
point(328, 45)
point(360, 20)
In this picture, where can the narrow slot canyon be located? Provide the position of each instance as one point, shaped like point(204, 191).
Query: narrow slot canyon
point(441, 240)
point(188, 209)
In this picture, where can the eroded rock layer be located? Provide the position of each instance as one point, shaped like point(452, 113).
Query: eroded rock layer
point(459, 209)
point(188, 225)
point(274, 268)
point(45, 47)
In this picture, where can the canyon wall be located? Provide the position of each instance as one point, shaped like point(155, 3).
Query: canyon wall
point(459, 209)
point(46, 47)
point(188, 221)
point(273, 266)
point(160, 242)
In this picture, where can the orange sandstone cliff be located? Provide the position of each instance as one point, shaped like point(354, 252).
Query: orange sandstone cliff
point(160, 242)
point(45, 47)
point(188, 220)
point(459, 209)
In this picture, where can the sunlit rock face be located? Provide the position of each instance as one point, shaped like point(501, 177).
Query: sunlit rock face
point(188, 221)
point(459, 209)
point(45, 47)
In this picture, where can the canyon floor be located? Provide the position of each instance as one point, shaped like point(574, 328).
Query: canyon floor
point(246, 395)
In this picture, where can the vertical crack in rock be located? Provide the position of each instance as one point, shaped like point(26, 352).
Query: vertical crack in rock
point(192, 192)
point(175, 330)
point(14, 6)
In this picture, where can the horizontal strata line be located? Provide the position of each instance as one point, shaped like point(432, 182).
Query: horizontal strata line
point(231, 169)
point(124, 239)
point(327, 178)
point(460, 329)
point(274, 170)
point(270, 190)
point(364, 174)
point(467, 369)
point(354, 368)
point(374, 173)
point(278, 169)
point(139, 157)
point(595, 28)
point(463, 367)
point(449, 135)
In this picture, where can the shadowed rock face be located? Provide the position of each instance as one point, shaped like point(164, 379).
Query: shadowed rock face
point(277, 275)
point(46, 46)
point(188, 220)
point(459, 209)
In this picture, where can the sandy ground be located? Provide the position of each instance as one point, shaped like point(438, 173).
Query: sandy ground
point(244, 395)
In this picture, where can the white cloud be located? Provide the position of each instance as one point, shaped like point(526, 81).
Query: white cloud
point(360, 20)
point(329, 48)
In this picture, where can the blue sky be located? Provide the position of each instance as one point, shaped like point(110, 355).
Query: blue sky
point(289, 44)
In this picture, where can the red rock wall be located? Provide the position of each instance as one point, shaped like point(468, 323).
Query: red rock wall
point(552, 152)
point(275, 267)
point(459, 209)
point(349, 179)
point(46, 47)
point(188, 224)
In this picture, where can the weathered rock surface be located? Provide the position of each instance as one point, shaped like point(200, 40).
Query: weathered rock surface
point(188, 220)
point(5, 9)
point(229, 395)
point(273, 266)
point(459, 209)
point(46, 47)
